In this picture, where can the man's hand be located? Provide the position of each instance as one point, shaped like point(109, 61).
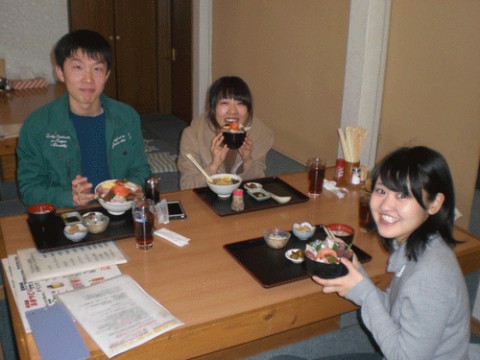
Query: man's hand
point(81, 191)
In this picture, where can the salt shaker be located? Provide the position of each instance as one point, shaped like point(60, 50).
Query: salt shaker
point(356, 176)
point(237, 200)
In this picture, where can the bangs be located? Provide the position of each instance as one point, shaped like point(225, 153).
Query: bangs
point(395, 179)
point(400, 174)
point(92, 54)
point(236, 93)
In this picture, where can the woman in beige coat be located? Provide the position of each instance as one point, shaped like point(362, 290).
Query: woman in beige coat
point(230, 101)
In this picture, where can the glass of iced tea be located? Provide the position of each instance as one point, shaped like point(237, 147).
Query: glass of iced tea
point(143, 223)
point(365, 219)
point(316, 174)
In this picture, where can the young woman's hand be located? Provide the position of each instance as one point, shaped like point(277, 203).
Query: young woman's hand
point(219, 151)
point(341, 285)
point(81, 191)
point(245, 152)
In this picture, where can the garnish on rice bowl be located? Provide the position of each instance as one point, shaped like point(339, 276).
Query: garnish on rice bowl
point(323, 258)
point(116, 196)
point(118, 191)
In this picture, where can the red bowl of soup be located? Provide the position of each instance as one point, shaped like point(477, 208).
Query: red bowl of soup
point(342, 231)
point(41, 213)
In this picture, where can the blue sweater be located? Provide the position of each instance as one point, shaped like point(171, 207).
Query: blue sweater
point(425, 313)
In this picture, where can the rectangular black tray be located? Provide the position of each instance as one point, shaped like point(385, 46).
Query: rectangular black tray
point(50, 237)
point(272, 184)
point(269, 266)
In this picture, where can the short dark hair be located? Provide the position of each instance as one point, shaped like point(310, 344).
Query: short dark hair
point(229, 87)
point(412, 171)
point(91, 42)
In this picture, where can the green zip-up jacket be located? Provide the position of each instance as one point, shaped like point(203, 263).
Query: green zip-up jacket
point(49, 154)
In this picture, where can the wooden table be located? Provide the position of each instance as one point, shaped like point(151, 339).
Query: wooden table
point(227, 314)
point(15, 106)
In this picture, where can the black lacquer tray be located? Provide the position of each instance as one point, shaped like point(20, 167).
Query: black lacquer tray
point(50, 236)
point(269, 266)
point(272, 184)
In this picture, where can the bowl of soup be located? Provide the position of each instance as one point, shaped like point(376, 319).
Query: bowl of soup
point(342, 231)
point(41, 213)
point(224, 184)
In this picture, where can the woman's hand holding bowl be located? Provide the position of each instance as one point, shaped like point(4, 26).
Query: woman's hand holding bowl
point(219, 152)
point(341, 285)
point(245, 152)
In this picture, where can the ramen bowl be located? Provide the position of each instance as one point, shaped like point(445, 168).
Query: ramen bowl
point(224, 184)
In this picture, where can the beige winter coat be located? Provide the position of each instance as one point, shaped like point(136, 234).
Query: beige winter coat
point(196, 140)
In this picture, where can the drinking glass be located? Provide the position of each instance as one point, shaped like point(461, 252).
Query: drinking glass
point(143, 223)
point(365, 219)
point(316, 175)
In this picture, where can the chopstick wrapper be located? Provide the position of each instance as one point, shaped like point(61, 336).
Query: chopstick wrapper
point(339, 192)
point(172, 236)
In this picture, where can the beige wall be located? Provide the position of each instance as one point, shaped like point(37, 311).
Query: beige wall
point(28, 32)
point(292, 55)
point(432, 86)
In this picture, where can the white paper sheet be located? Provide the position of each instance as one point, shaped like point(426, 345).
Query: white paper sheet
point(118, 314)
point(40, 294)
point(40, 266)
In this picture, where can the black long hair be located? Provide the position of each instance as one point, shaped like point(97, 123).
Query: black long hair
point(229, 87)
point(415, 171)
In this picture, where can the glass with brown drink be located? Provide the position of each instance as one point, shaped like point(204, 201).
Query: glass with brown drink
point(316, 175)
point(143, 224)
point(365, 219)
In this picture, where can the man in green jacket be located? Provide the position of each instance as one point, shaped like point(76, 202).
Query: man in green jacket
point(68, 146)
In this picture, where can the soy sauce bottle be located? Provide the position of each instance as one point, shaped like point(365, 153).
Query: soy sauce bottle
point(152, 189)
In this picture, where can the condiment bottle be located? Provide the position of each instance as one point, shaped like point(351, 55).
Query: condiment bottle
point(339, 170)
point(356, 176)
point(237, 200)
point(152, 189)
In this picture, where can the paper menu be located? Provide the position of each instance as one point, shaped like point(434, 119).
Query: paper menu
point(118, 314)
point(40, 266)
point(41, 294)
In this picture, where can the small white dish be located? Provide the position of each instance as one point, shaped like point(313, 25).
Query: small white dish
point(289, 254)
point(303, 231)
point(79, 234)
point(252, 185)
point(259, 194)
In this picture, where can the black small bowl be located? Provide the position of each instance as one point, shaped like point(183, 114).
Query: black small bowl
point(234, 139)
point(342, 231)
point(323, 270)
point(41, 213)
